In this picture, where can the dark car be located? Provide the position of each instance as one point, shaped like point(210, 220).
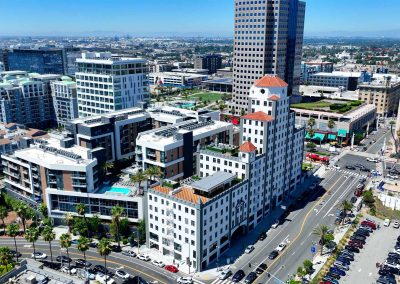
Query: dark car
point(14, 253)
point(363, 232)
point(349, 257)
point(352, 248)
point(384, 272)
point(333, 275)
point(63, 258)
point(273, 254)
point(387, 279)
point(116, 248)
point(349, 167)
point(337, 270)
point(136, 280)
point(347, 252)
point(82, 263)
point(250, 278)
point(238, 276)
point(359, 239)
point(261, 268)
point(99, 268)
point(394, 254)
point(343, 260)
point(361, 235)
point(262, 236)
point(391, 269)
point(93, 245)
point(355, 244)
point(353, 199)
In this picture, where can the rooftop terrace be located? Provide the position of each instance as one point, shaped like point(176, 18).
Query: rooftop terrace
point(326, 105)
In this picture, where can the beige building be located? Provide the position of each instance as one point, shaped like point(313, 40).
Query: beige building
point(383, 92)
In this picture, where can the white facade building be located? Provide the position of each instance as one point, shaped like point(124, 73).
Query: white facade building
point(106, 83)
point(238, 187)
point(64, 100)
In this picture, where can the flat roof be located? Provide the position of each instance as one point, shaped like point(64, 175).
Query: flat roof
point(209, 183)
point(224, 81)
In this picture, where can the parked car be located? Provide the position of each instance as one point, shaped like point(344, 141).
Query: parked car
point(171, 268)
point(116, 248)
point(139, 280)
point(396, 224)
point(158, 263)
point(331, 280)
point(250, 278)
point(356, 237)
point(122, 274)
point(38, 255)
point(386, 223)
point(238, 276)
point(262, 236)
point(66, 269)
point(373, 160)
point(82, 263)
point(261, 268)
point(349, 257)
point(353, 199)
point(349, 167)
point(273, 254)
point(14, 253)
point(281, 247)
point(183, 280)
point(369, 229)
point(225, 274)
point(337, 270)
point(249, 249)
point(275, 224)
point(94, 244)
point(333, 275)
point(99, 269)
point(369, 223)
point(355, 244)
point(130, 253)
point(143, 257)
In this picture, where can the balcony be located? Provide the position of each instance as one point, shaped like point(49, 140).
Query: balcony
point(78, 177)
point(79, 184)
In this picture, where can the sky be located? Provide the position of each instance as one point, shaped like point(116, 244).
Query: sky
point(185, 17)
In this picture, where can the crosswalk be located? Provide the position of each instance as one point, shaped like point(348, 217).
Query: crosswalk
point(349, 173)
point(219, 281)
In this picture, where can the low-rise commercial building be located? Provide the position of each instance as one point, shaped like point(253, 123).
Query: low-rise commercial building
point(346, 80)
point(177, 79)
point(312, 67)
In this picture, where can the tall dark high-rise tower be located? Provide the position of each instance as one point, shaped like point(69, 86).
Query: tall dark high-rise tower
point(268, 40)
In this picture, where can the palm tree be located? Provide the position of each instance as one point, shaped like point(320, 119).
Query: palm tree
point(49, 236)
point(117, 213)
point(24, 213)
point(81, 210)
point(12, 231)
point(139, 177)
point(345, 206)
point(83, 246)
point(32, 235)
point(43, 210)
point(153, 172)
point(69, 220)
point(321, 232)
point(396, 141)
point(106, 166)
point(3, 215)
point(5, 257)
point(311, 123)
point(331, 124)
point(65, 242)
point(104, 249)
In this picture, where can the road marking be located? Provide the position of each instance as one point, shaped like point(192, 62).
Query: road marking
point(345, 192)
point(298, 235)
point(333, 195)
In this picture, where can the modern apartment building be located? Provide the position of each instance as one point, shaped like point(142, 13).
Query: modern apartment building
point(235, 187)
point(116, 132)
point(211, 62)
point(384, 92)
point(174, 148)
point(348, 81)
point(42, 60)
point(65, 100)
point(312, 67)
point(52, 164)
point(106, 83)
point(26, 99)
point(268, 40)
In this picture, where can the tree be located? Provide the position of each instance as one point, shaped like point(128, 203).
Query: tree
point(3, 215)
point(43, 210)
point(368, 198)
point(12, 231)
point(106, 166)
point(331, 124)
point(83, 246)
point(80, 227)
point(65, 242)
point(24, 213)
point(308, 266)
point(139, 177)
point(117, 213)
point(141, 230)
point(311, 146)
point(346, 206)
point(242, 112)
point(221, 107)
point(311, 133)
point(94, 224)
point(69, 220)
point(5, 257)
point(32, 235)
point(104, 249)
point(396, 141)
point(321, 231)
point(311, 123)
point(81, 210)
point(49, 236)
point(153, 172)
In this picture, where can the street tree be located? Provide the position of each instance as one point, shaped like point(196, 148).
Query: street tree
point(66, 242)
point(117, 214)
point(321, 231)
point(104, 249)
point(81, 210)
point(49, 236)
point(83, 246)
point(32, 235)
point(5, 257)
point(3, 216)
point(12, 231)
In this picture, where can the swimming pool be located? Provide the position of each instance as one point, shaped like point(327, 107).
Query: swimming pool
point(114, 189)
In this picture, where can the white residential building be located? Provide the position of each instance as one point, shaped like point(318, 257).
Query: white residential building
point(235, 187)
point(106, 83)
point(64, 100)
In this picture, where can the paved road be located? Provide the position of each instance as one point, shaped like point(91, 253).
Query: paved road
point(379, 137)
point(131, 265)
point(297, 231)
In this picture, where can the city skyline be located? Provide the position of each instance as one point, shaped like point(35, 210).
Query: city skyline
point(178, 18)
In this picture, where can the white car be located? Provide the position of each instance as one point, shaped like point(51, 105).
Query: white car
point(130, 253)
point(102, 279)
point(158, 263)
point(386, 223)
point(281, 247)
point(393, 176)
point(249, 249)
point(275, 224)
point(184, 280)
point(373, 160)
point(144, 257)
point(225, 274)
point(38, 255)
point(336, 167)
point(396, 224)
point(121, 274)
point(65, 269)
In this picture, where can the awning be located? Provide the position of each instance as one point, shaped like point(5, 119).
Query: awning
point(317, 136)
point(342, 133)
point(331, 136)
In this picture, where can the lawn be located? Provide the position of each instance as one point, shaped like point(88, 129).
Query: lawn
point(206, 96)
point(329, 106)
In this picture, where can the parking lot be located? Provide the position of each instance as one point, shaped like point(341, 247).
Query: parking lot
point(379, 244)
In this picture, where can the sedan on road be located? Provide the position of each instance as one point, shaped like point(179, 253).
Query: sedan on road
point(249, 249)
point(38, 255)
point(130, 253)
point(122, 274)
point(225, 274)
point(158, 263)
point(82, 263)
point(66, 269)
point(143, 257)
point(63, 258)
point(183, 280)
point(238, 276)
point(273, 254)
point(171, 268)
point(281, 247)
point(261, 268)
point(250, 278)
point(262, 236)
